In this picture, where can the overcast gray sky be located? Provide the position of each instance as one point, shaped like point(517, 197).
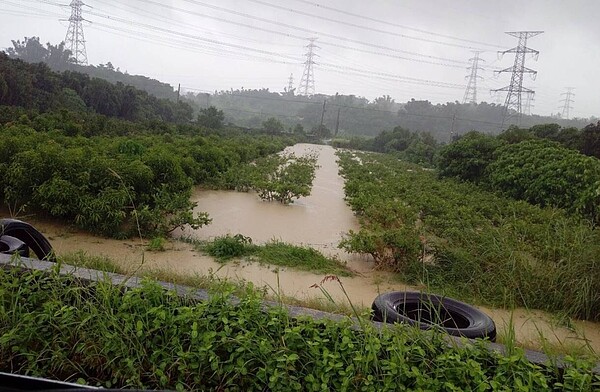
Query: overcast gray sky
point(222, 44)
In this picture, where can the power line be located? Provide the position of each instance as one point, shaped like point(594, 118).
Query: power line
point(180, 44)
point(331, 20)
point(341, 46)
point(303, 38)
point(195, 37)
point(162, 18)
point(336, 67)
point(37, 10)
point(515, 89)
point(320, 6)
point(389, 76)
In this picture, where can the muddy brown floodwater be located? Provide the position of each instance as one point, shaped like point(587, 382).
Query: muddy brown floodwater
point(319, 221)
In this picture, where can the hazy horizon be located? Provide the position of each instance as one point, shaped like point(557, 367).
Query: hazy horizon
point(210, 45)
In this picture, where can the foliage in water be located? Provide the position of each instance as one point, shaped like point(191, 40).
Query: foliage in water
point(283, 177)
point(114, 177)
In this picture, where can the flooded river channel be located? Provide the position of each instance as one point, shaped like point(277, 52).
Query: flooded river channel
point(319, 221)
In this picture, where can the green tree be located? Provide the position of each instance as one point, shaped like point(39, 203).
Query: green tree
point(32, 51)
point(468, 157)
point(273, 126)
point(515, 134)
point(590, 140)
point(211, 117)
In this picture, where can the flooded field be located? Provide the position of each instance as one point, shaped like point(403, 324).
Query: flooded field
point(318, 221)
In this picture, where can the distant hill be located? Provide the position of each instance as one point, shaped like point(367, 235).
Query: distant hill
point(36, 86)
point(58, 58)
point(359, 116)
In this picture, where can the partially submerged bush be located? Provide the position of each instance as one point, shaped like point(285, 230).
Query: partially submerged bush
point(282, 177)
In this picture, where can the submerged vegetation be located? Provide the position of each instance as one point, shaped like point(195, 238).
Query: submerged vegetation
point(471, 243)
point(146, 337)
point(283, 177)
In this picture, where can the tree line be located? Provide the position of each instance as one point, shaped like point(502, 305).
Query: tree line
point(36, 86)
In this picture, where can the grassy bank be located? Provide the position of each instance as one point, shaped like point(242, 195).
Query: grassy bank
point(276, 253)
point(212, 281)
point(52, 326)
point(469, 243)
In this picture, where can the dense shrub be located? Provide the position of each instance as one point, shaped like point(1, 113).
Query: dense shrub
point(545, 173)
point(478, 245)
point(282, 177)
point(119, 184)
point(35, 86)
point(468, 158)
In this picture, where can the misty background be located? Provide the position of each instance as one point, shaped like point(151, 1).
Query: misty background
point(409, 50)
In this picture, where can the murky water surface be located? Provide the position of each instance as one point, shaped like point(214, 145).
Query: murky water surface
point(319, 221)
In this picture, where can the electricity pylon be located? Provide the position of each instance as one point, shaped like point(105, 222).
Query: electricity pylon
point(528, 103)
point(471, 91)
point(567, 102)
point(513, 105)
point(290, 83)
point(307, 83)
point(75, 41)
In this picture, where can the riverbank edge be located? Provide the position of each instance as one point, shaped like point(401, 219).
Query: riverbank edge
point(89, 276)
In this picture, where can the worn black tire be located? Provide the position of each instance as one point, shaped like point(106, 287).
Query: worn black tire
point(428, 311)
point(10, 246)
point(30, 236)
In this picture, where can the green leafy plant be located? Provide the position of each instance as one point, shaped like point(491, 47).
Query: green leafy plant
point(273, 253)
point(156, 244)
point(228, 247)
point(470, 243)
point(148, 338)
point(282, 177)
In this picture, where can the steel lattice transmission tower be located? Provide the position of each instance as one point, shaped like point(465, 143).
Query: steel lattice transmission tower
point(528, 103)
point(307, 83)
point(75, 40)
point(471, 91)
point(567, 102)
point(513, 104)
point(290, 83)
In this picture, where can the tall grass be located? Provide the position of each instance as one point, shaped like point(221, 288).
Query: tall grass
point(146, 337)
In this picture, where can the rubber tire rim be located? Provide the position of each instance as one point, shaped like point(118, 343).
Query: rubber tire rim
point(30, 236)
point(385, 309)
